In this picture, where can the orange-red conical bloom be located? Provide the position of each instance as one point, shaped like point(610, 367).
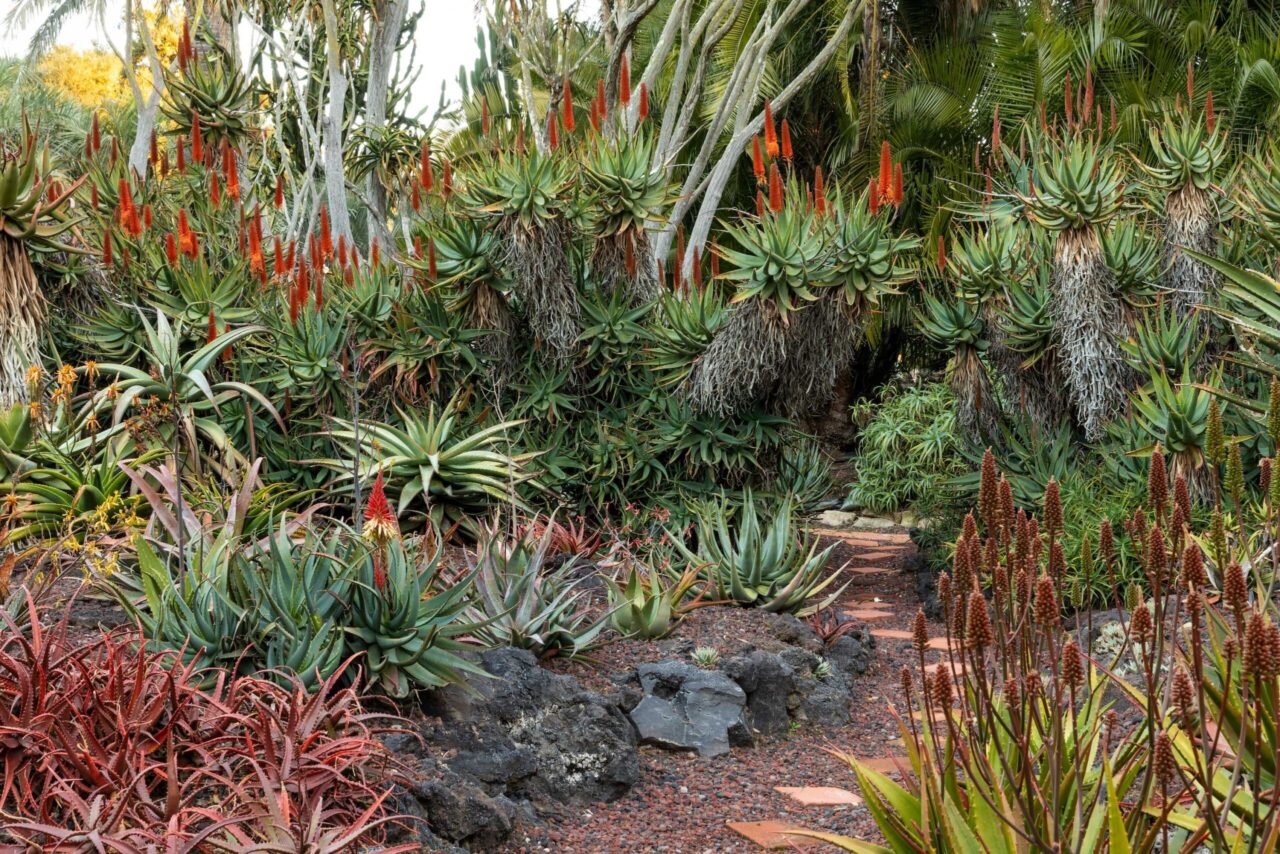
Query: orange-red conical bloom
point(757, 160)
point(775, 188)
point(553, 132)
point(624, 82)
point(873, 197)
point(644, 100)
point(897, 186)
point(885, 184)
point(567, 105)
point(424, 167)
point(171, 249)
point(211, 333)
point(759, 203)
point(432, 269)
point(1209, 118)
point(786, 141)
point(942, 253)
point(819, 193)
point(197, 144)
point(380, 523)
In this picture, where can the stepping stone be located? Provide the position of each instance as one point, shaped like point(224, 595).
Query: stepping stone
point(956, 672)
point(939, 644)
point(939, 716)
point(869, 614)
point(820, 796)
point(875, 555)
point(893, 634)
point(771, 835)
point(870, 570)
point(886, 764)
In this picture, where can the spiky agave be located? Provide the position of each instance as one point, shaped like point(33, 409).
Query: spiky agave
point(33, 216)
point(776, 262)
point(1188, 152)
point(1132, 253)
point(865, 266)
point(1077, 188)
point(1260, 192)
point(468, 264)
point(1024, 325)
point(626, 193)
point(956, 325)
point(529, 198)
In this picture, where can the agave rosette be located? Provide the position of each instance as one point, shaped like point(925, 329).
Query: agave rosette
point(626, 190)
point(1185, 151)
point(528, 190)
point(867, 259)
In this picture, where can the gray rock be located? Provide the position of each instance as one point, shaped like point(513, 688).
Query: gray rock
point(767, 681)
point(873, 523)
point(851, 652)
point(686, 708)
point(512, 749)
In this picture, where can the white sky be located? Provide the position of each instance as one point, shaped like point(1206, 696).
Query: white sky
point(445, 40)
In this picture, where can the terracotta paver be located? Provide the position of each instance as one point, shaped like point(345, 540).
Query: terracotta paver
point(870, 570)
point(820, 796)
point(868, 614)
point(939, 644)
point(875, 555)
point(771, 835)
point(892, 634)
point(886, 764)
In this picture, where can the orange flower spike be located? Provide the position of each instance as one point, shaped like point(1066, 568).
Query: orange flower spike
point(1209, 119)
point(107, 259)
point(376, 254)
point(819, 193)
point(226, 351)
point(446, 180)
point(897, 185)
point(182, 156)
point(553, 133)
point(319, 293)
point(787, 153)
point(757, 160)
point(197, 144)
point(96, 133)
point(154, 154)
point(873, 197)
point(279, 197)
point(770, 130)
point(566, 103)
point(995, 132)
point(215, 197)
point(775, 188)
point(697, 270)
point(644, 100)
point(147, 217)
point(212, 332)
point(432, 270)
point(415, 197)
point(233, 175)
point(942, 253)
point(760, 203)
point(93, 196)
point(624, 82)
point(885, 184)
point(424, 168)
point(171, 249)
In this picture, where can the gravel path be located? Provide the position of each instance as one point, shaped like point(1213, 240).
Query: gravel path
point(683, 801)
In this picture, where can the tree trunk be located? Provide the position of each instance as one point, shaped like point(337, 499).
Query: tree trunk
point(334, 172)
point(22, 319)
point(388, 19)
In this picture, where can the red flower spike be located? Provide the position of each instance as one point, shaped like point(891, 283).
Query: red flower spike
point(873, 197)
point(553, 133)
point(342, 250)
point(600, 95)
point(197, 144)
point(93, 196)
point(697, 270)
point(233, 175)
point(566, 102)
point(319, 293)
point(215, 197)
point(380, 522)
point(147, 217)
point(107, 258)
point(171, 249)
point(942, 253)
point(277, 252)
point(155, 148)
point(715, 262)
point(775, 188)
point(786, 141)
point(995, 132)
point(644, 100)
point(1209, 119)
point(432, 272)
point(897, 185)
point(182, 157)
point(624, 82)
point(278, 201)
point(212, 332)
point(226, 351)
point(424, 168)
point(757, 160)
point(819, 193)
point(446, 181)
point(376, 254)
point(759, 203)
point(770, 130)
point(96, 133)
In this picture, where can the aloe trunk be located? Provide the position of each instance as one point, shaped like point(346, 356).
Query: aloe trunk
point(1089, 327)
point(820, 340)
point(22, 320)
point(742, 363)
point(1189, 224)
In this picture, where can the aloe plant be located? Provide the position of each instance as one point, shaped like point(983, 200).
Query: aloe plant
point(766, 565)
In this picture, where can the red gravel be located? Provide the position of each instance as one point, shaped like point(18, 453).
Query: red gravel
point(683, 801)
